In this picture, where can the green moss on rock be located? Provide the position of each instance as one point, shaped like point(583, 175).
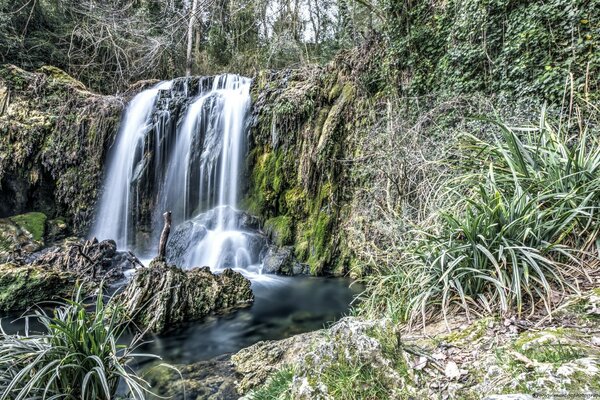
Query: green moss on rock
point(33, 222)
point(22, 287)
point(279, 230)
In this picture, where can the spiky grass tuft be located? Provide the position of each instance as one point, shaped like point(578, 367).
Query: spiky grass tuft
point(76, 357)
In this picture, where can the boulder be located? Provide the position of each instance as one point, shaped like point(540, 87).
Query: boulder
point(281, 260)
point(210, 380)
point(22, 287)
point(163, 296)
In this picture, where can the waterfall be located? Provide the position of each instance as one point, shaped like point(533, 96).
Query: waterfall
point(181, 147)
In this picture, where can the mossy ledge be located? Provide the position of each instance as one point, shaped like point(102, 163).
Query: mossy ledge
point(306, 125)
point(54, 136)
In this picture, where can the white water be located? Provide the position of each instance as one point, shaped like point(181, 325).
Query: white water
point(197, 169)
point(113, 218)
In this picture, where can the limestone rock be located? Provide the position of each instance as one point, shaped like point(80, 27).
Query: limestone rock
point(281, 260)
point(163, 295)
point(349, 340)
point(22, 287)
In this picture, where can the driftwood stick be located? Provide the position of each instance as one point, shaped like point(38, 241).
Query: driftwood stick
point(164, 236)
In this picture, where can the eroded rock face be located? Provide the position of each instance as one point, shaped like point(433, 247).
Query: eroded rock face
point(22, 287)
point(162, 296)
point(54, 136)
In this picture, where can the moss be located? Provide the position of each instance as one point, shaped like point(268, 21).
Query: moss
point(22, 287)
point(61, 76)
point(470, 334)
point(279, 230)
point(33, 222)
point(552, 345)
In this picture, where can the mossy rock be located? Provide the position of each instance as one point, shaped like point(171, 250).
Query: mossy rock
point(32, 222)
point(61, 76)
point(279, 230)
point(22, 287)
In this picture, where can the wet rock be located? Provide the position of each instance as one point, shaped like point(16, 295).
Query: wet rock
point(185, 236)
point(163, 296)
point(281, 260)
point(22, 286)
point(210, 380)
point(90, 260)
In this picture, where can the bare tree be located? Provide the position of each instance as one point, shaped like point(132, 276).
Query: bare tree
point(190, 38)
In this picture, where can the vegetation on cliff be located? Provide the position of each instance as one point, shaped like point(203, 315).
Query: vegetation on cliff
point(54, 135)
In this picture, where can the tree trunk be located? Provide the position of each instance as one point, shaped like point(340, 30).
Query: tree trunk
point(164, 236)
point(190, 38)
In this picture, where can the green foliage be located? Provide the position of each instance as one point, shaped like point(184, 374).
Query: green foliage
point(77, 356)
point(279, 230)
point(33, 222)
point(522, 48)
point(354, 380)
point(524, 217)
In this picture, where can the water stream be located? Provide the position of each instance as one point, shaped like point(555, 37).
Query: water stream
point(181, 147)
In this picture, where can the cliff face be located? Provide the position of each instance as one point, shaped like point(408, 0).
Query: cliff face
point(305, 132)
point(54, 136)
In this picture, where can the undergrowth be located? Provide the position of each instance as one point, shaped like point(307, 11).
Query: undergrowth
point(76, 356)
point(514, 230)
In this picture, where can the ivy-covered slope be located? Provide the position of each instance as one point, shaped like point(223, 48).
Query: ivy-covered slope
point(54, 135)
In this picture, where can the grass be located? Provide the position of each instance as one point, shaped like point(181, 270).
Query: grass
point(277, 387)
point(76, 357)
point(351, 380)
point(523, 222)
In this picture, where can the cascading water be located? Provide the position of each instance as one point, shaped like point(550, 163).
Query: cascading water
point(181, 148)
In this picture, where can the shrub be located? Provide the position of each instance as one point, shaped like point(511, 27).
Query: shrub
point(76, 357)
point(523, 223)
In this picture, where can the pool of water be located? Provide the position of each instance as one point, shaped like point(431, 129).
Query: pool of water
point(283, 306)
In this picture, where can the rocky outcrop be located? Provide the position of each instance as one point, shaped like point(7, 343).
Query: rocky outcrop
point(22, 287)
point(483, 359)
point(306, 127)
point(163, 296)
point(90, 260)
point(52, 273)
point(54, 135)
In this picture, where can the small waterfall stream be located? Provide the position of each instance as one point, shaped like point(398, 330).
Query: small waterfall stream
point(181, 147)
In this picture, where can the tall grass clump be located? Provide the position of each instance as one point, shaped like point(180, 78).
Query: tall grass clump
point(516, 229)
point(77, 356)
